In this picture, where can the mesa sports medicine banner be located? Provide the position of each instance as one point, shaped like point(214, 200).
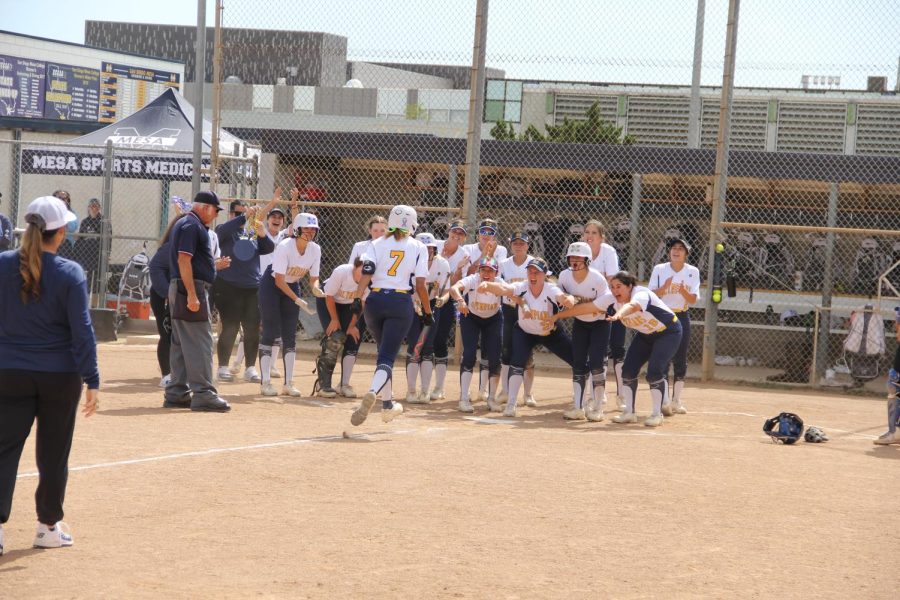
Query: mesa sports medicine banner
point(54, 162)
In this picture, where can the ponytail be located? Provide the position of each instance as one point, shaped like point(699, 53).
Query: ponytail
point(30, 252)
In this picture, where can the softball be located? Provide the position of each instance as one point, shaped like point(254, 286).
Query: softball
point(720, 247)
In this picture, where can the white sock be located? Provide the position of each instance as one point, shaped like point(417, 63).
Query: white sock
point(483, 376)
point(425, 370)
point(493, 384)
point(387, 392)
point(504, 378)
point(289, 360)
point(515, 382)
point(440, 373)
point(265, 363)
point(658, 393)
point(276, 349)
point(629, 393)
point(347, 368)
point(380, 378)
point(578, 388)
point(465, 381)
point(412, 374)
point(239, 355)
point(620, 384)
point(676, 392)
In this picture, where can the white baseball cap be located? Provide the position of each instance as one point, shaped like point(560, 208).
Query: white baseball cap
point(49, 213)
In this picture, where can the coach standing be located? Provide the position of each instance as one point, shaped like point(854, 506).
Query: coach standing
point(193, 272)
point(47, 352)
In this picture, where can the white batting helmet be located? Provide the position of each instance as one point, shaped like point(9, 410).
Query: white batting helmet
point(579, 249)
point(306, 220)
point(427, 239)
point(403, 217)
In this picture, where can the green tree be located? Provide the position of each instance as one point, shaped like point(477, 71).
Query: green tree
point(592, 130)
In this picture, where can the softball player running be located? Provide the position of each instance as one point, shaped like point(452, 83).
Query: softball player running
point(457, 257)
point(514, 270)
point(480, 317)
point(605, 260)
point(658, 333)
point(538, 300)
point(590, 333)
point(339, 323)
point(390, 265)
point(420, 351)
point(279, 298)
point(678, 285)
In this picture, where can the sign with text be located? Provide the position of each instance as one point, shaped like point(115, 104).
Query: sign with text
point(22, 85)
point(125, 90)
point(73, 93)
point(54, 162)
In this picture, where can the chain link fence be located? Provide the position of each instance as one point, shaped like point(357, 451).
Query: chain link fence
point(589, 112)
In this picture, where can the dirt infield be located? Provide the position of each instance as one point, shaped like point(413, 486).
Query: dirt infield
point(271, 501)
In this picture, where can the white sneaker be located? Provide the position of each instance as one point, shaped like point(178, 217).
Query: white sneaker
point(494, 405)
point(595, 415)
point(290, 390)
point(437, 394)
point(667, 409)
point(620, 401)
point(224, 374)
point(654, 421)
point(235, 368)
point(269, 390)
point(530, 401)
point(888, 438)
point(680, 409)
point(502, 397)
point(347, 392)
point(482, 395)
point(274, 373)
point(395, 410)
point(411, 398)
point(414, 398)
point(252, 375)
point(574, 414)
point(58, 537)
point(625, 418)
point(360, 414)
point(510, 411)
point(165, 381)
point(423, 398)
point(465, 406)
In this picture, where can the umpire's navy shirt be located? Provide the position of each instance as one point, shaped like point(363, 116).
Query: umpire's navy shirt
point(191, 236)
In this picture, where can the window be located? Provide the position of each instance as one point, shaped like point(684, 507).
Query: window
point(503, 100)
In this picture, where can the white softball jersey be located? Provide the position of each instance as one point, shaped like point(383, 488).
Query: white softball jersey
point(396, 262)
point(438, 275)
point(510, 272)
point(358, 249)
point(687, 278)
point(266, 259)
point(606, 262)
point(593, 286)
point(654, 316)
point(540, 307)
point(341, 285)
point(482, 304)
point(289, 262)
point(474, 252)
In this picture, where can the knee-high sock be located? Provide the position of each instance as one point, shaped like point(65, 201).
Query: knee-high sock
point(347, 368)
point(465, 381)
point(290, 358)
point(265, 363)
point(504, 378)
point(893, 414)
point(529, 380)
point(630, 393)
point(516, 378)
point(440, 372)
point(425, 370)
point(659, 392)
point(676, 392)
point(276, 349)
point(483, 375)
point(494, 383)
point(412, 374)
point(617, 370)
point(578, 381)
point(381, 378)
point(239, 355)
point(598, 381)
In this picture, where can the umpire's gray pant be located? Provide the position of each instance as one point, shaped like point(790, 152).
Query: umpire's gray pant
point(191, 356)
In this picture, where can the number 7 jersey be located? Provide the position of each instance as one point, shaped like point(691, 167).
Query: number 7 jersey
point(396, 262)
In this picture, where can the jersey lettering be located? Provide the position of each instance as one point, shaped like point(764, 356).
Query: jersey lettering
point(397, 255)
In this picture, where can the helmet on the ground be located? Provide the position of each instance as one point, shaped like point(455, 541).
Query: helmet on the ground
point(580, 249)
point(814, 435)
point(786, 428)
point(403, 217)
point(427, 239)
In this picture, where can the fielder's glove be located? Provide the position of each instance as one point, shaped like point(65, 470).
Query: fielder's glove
point(427, 319)
point(356, 306)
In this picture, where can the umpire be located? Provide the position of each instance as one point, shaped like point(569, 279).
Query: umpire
point(47, 353)
point(193, 272)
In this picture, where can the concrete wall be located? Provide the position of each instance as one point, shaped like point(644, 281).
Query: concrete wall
point(378, 76)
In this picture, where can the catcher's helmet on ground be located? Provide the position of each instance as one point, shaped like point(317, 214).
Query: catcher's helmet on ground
point(786, 428)
point(814, 435)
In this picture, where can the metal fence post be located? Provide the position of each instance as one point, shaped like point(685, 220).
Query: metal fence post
point(694, 117)
point(199, 81)
point(636, 185)
point(476, 109)
point(105, 240)
point(720, 186)
point(822, 345)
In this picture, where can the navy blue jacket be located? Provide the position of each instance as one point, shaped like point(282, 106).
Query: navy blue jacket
point(241, 273)
point(160, 274)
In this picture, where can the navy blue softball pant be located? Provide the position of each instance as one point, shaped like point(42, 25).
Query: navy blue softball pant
point(471, 328)
point(589, 345)
point(388, 316)
point(279, 313)
point(655, 349)
point(679, 361)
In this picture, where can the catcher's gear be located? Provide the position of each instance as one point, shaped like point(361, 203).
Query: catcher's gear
point(325, 363)
point(814, 435)
point(786, 428)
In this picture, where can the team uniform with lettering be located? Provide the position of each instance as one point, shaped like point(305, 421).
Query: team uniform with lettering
point(474, 252)
point(687, 278)
point(606, 262)
point(420, 361)
point(484, 321)
point(342, 288)
point(444, 319)
point(658, 333)
point(510, 272)
point(590, 336)
point(278, 311)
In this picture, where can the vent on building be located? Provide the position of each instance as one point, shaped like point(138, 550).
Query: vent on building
point(658, 120)
point(575, 106)
point(878, 129)
point(748, 124)
point(811, 127)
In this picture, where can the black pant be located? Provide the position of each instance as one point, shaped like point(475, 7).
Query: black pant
point(53, 399)
point(160, 309)
point(238, 307)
